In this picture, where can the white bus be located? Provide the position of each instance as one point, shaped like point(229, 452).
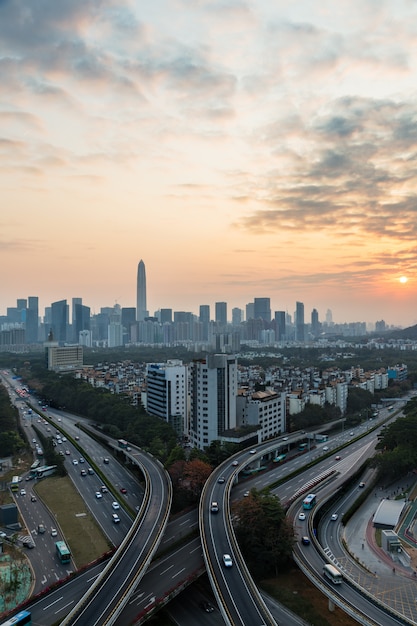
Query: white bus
point(333, 574)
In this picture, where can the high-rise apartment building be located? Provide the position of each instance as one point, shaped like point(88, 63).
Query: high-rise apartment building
point(204, 318)
point(213, 391)
point(299, 322)
point(167, 393)
point(141, 307)
point(280, 326)
point(32, 320)
point(221, 313)
point(262, 309)
point(250, 311)
point(237, 316)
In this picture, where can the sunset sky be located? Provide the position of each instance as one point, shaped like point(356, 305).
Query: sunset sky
point(241, 149)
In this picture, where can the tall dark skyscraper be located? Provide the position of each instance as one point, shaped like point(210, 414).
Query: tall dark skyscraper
point(299, 322)
point(221, 313)
point(141, 308)
point(205, 320)
point(262, 309)
point(60, 320)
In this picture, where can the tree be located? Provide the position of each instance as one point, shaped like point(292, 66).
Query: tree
point(268, 546)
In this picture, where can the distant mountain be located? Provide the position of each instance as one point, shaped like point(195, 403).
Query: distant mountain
point(404, 333)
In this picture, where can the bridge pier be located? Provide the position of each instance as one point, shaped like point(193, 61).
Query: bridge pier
point(331, 606)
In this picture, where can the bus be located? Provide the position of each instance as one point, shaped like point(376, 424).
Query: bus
point(309, 501)
point(20, 619)
point(63, 552)
point(390, 408)
point(45, 470)
point(322, 438)
point(302, 447)
point(122, 443)
point(333, 574)
point(33, 468)
point(279, 458)
point(14, 485)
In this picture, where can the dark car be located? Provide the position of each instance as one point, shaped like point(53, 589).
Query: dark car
point(123, 490)
point(305, 541)
point(28, 544)
point(207, 606)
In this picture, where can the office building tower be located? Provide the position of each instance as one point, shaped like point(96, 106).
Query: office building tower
point(21, 304)
point(128, 323)
point(250, 311)
point(280, 326)
point(315, 324)
point(167, 393)
point(213, 391)
point(165, 316)
point(329, 317)
point(205, 321)
point(141, 308)
point(262, 309)
point(221, 313)
point(115, 329)
point(60, 321)
point(81, 321)
point(237, 316)
point(299, 322)
point(32, 320)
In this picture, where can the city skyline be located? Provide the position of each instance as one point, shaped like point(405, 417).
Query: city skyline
point(243, 150)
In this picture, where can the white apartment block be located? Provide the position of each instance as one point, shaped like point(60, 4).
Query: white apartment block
point(213, 391)
point(266, 409)
point(167, 393)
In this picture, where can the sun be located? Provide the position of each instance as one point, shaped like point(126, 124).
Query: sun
point(403, 279)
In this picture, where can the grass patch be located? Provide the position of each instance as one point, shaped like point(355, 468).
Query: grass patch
point(82, 534)
point(297, 593)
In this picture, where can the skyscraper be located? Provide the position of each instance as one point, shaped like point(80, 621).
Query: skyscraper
point(221, 313)
point(299, 322)
point(141, 309)
point(262, 309)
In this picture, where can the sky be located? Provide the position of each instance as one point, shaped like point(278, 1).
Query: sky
point(242, 149)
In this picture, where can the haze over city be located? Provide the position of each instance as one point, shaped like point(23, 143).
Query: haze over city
point(241, 149)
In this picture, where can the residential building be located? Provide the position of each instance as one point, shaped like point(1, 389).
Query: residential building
point(167, 393)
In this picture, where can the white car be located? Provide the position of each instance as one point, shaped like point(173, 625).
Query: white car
point(99, 494)
point(115, 505)
point(252, 451)
point(54, 532)
point(23, 492)
point(74, 462)
point(227, 560)
point(302, 516)
point(334, 517)
point(115, 518)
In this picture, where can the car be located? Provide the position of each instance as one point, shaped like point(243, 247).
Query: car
point(99, 494)
point(252, 451)
point(61, 452)
point(221, 480)
point(67, 452)
point(305, 541)
point(74, 462)
point(28, 544)
point(82, 460)
point(64, 438)
point(33, 440)
point(302, 516)
point(351, 434)
point(33, 498)
point(115, 518)
point(2, 535)
point(361, 485)
point(59, 419)
point(123, 490)
point(207, 606)
point(227, 560)
point(325, 448)
point(103, 489)
point(235, 463)
point(334, 517)
point(106, 461)
point(83, 472)
point(90, 470)
point(285, 439)
point(115, 505)
point(41, 529)
point(214, 507)
point(77, 438)
point(337, 458)
point(54, 532)
point(246, 494)
point(23, 492)
point(28, 478)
